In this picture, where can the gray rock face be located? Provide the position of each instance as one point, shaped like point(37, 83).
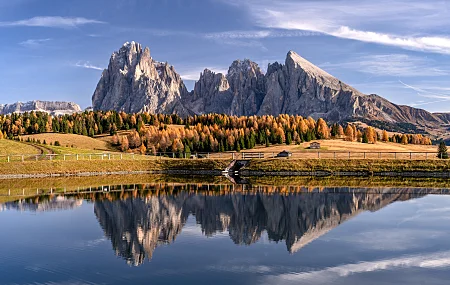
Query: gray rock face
point(51, 107)
point(134, 83)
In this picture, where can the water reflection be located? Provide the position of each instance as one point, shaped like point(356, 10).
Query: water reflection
point(137, 226)
point(57, 203)
point(138, 221)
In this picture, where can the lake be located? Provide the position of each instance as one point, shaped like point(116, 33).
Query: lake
point(205, 234)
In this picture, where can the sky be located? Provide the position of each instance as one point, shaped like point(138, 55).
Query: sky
point(399, 49)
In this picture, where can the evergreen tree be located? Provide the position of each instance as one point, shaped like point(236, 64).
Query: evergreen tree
point(288, 138)
point(442, 151)
point(365, 139)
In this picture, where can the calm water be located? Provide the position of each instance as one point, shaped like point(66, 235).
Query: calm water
point(331, 237)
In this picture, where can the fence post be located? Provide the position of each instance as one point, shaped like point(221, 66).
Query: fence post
point(22, 158)
point(37, 158)
point(273, 155)
point(77, 156)
point(109, 156)
point(121, 157)
point(51, 157)
point(410, 155)
point(395, 155)
point(90, 156)
point(64, 157)
point(232, 155)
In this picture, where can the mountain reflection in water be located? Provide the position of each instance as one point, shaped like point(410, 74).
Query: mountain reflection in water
point(137, 226)
point(137, 222)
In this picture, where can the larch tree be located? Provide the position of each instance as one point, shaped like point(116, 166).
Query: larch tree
point(385, 136)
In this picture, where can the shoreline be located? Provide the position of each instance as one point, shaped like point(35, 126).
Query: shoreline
point(215, 167)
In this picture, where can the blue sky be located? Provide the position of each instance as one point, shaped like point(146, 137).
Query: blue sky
point(55, 50)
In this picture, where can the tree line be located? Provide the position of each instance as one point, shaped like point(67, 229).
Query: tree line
point(152, 133)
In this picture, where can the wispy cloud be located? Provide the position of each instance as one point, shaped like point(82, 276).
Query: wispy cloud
point(88, 65)
point(51, 22)
point(400, 65)
point(33, 43)
point(346, 20)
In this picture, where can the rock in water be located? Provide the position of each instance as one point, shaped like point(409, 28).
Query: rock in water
point(53, 108)
point(134, 83)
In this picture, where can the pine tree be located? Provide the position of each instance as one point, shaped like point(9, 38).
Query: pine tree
point(442, 151)
point(365, 139)
point(288, 138)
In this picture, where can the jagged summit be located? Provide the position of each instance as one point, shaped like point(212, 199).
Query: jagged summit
point(134, 82)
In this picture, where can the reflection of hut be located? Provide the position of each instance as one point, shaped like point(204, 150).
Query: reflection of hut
point(314, 145)
point(284, 153)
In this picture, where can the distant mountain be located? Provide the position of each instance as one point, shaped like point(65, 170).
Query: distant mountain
point(53, 108)
point(134, 82)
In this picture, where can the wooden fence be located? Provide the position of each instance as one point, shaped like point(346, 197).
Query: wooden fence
point(225, 155)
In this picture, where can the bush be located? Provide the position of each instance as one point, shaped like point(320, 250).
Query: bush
point(57, 143)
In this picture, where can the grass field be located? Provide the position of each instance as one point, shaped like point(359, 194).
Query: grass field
point(14, 147)
point(354, 165)
point(77, 141)
point(83, 166)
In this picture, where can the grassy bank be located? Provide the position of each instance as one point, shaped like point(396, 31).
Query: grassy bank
point(74, 167)
point(354, 165)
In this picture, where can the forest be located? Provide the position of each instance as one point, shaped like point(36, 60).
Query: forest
point(150, 133)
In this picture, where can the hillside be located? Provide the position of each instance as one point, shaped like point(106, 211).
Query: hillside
point(72, 141)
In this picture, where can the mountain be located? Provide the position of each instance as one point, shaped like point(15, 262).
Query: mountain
point(137, 226)
point(134, 82)
point(53, 108)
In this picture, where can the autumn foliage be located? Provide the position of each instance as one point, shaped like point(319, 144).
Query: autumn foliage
point(150, 133)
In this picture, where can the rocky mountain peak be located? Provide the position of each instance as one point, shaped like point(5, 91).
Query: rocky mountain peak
point(244, 67)
point(134, 82)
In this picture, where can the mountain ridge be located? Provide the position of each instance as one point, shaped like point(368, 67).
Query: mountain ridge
point(297, 87)
point(51, 107)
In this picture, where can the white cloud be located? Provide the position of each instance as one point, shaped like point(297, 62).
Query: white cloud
point(347, 20)
point(327, 275)
point(400, 65)
point(33, 43)
point(53, 22)
point(88, 65)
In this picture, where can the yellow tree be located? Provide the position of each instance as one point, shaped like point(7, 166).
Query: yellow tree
point(340, 131)
point(322, 129)
point(385, 136)
point(349, 135)
point(404, 139)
